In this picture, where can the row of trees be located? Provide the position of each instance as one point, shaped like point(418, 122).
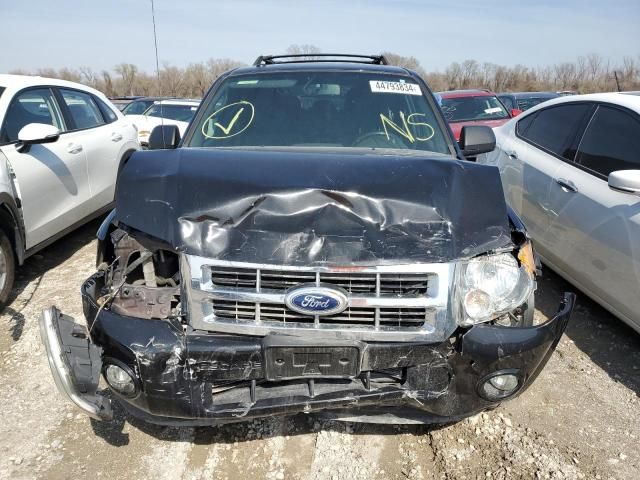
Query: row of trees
point(127, 79)
point(591, 73)
point(588, 74)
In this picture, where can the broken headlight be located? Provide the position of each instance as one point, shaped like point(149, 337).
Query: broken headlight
point(492, 285)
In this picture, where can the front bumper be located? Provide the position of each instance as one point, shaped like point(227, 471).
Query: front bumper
point(191, 378)
point(75, 363)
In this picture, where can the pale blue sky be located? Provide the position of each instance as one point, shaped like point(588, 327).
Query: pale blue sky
point(102, 33)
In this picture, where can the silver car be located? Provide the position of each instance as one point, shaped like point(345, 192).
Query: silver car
point(571, 169)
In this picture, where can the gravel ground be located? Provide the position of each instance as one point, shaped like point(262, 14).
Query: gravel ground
point(581, 418)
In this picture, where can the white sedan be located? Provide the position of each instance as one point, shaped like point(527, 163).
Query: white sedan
point(61, 147)
point(164, 112)
point(570, 168)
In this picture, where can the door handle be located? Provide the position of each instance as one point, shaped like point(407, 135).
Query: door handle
point(512, 155)
point(567, 185)
point(116, 137)
point(74, 148)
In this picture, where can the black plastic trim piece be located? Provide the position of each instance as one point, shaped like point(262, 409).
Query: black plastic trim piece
point(321, 57)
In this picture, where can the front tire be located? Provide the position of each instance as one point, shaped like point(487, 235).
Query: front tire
point(7, 268)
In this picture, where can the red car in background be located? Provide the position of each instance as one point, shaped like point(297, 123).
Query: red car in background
point(473, 107)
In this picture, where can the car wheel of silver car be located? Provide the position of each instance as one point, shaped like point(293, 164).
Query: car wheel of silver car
point(7, 267)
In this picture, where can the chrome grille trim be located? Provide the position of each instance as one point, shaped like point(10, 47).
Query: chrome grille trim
point(354, 283)
point(201, 294)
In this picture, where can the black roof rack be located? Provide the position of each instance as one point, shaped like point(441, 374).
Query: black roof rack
point(320, 57)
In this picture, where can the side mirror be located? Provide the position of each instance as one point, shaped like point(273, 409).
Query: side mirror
point(625, 181)
point(515, 112)
point(476, 139)
point(164, 137)
point(34, 133)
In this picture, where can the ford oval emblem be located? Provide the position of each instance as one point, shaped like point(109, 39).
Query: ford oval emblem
point(315, 300)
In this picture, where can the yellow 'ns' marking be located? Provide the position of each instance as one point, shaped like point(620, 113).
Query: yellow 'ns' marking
point(402, 130)
point(405, 128)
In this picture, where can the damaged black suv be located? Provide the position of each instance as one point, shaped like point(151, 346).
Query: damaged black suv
point(317, 242)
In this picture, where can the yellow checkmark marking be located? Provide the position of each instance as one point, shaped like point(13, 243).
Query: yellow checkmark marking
point(231, 123)
point(238, 124)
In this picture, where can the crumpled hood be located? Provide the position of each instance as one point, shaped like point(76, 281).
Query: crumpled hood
point(313, 208)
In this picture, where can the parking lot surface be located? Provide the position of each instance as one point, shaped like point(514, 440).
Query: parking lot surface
point(580, 419)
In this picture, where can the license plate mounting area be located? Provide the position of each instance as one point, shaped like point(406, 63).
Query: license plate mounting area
point(304, 362)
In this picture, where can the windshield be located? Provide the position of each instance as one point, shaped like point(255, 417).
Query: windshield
point(1, 90)
point(464, 109)
point(527, 103)
point(326, 109)
point(182, 113)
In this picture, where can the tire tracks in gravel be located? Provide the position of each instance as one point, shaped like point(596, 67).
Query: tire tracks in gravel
point(24, 372)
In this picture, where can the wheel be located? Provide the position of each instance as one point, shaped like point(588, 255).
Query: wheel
point(7, 267)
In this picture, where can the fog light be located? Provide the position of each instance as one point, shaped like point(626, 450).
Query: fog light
point(505, 383)
point(477, 304)
point(499, 385)
point(120, 380)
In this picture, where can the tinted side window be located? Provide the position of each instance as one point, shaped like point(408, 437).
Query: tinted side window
point(83, 110)
point(107, 111)
point(554, 129)
point(524, 123)
point(31, 106)
point(611, 142)
point(507, 101)
point(136, 108)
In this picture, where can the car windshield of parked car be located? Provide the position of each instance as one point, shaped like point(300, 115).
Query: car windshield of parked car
point(464, 109)
point(320, 109)
point(136, 108)
point(182, 113)
point(529, 102)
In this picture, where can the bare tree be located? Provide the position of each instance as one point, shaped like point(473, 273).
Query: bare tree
point(412, 63)
point(197, 79)
point(588, 73)
point(594, 65)
point(108, 84)
point(127, 72)
point(628, 71)
point(309, 51)
point(217, 66)
point(171, 80)
point(469, 73)
point(89, 77)
point(454, 76)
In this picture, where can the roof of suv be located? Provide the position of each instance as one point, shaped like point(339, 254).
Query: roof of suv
point(193, 102)
point(321, 66)
point(466, 93)
point(530, 94)
point(21, 81)
point(18, 82)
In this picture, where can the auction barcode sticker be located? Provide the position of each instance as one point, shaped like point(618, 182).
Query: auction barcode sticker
point(395, 87)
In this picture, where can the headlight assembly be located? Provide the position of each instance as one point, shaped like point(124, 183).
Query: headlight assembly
point(491, 286)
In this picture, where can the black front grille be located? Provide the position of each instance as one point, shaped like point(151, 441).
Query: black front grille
point(269, 312)
point(355, 283)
